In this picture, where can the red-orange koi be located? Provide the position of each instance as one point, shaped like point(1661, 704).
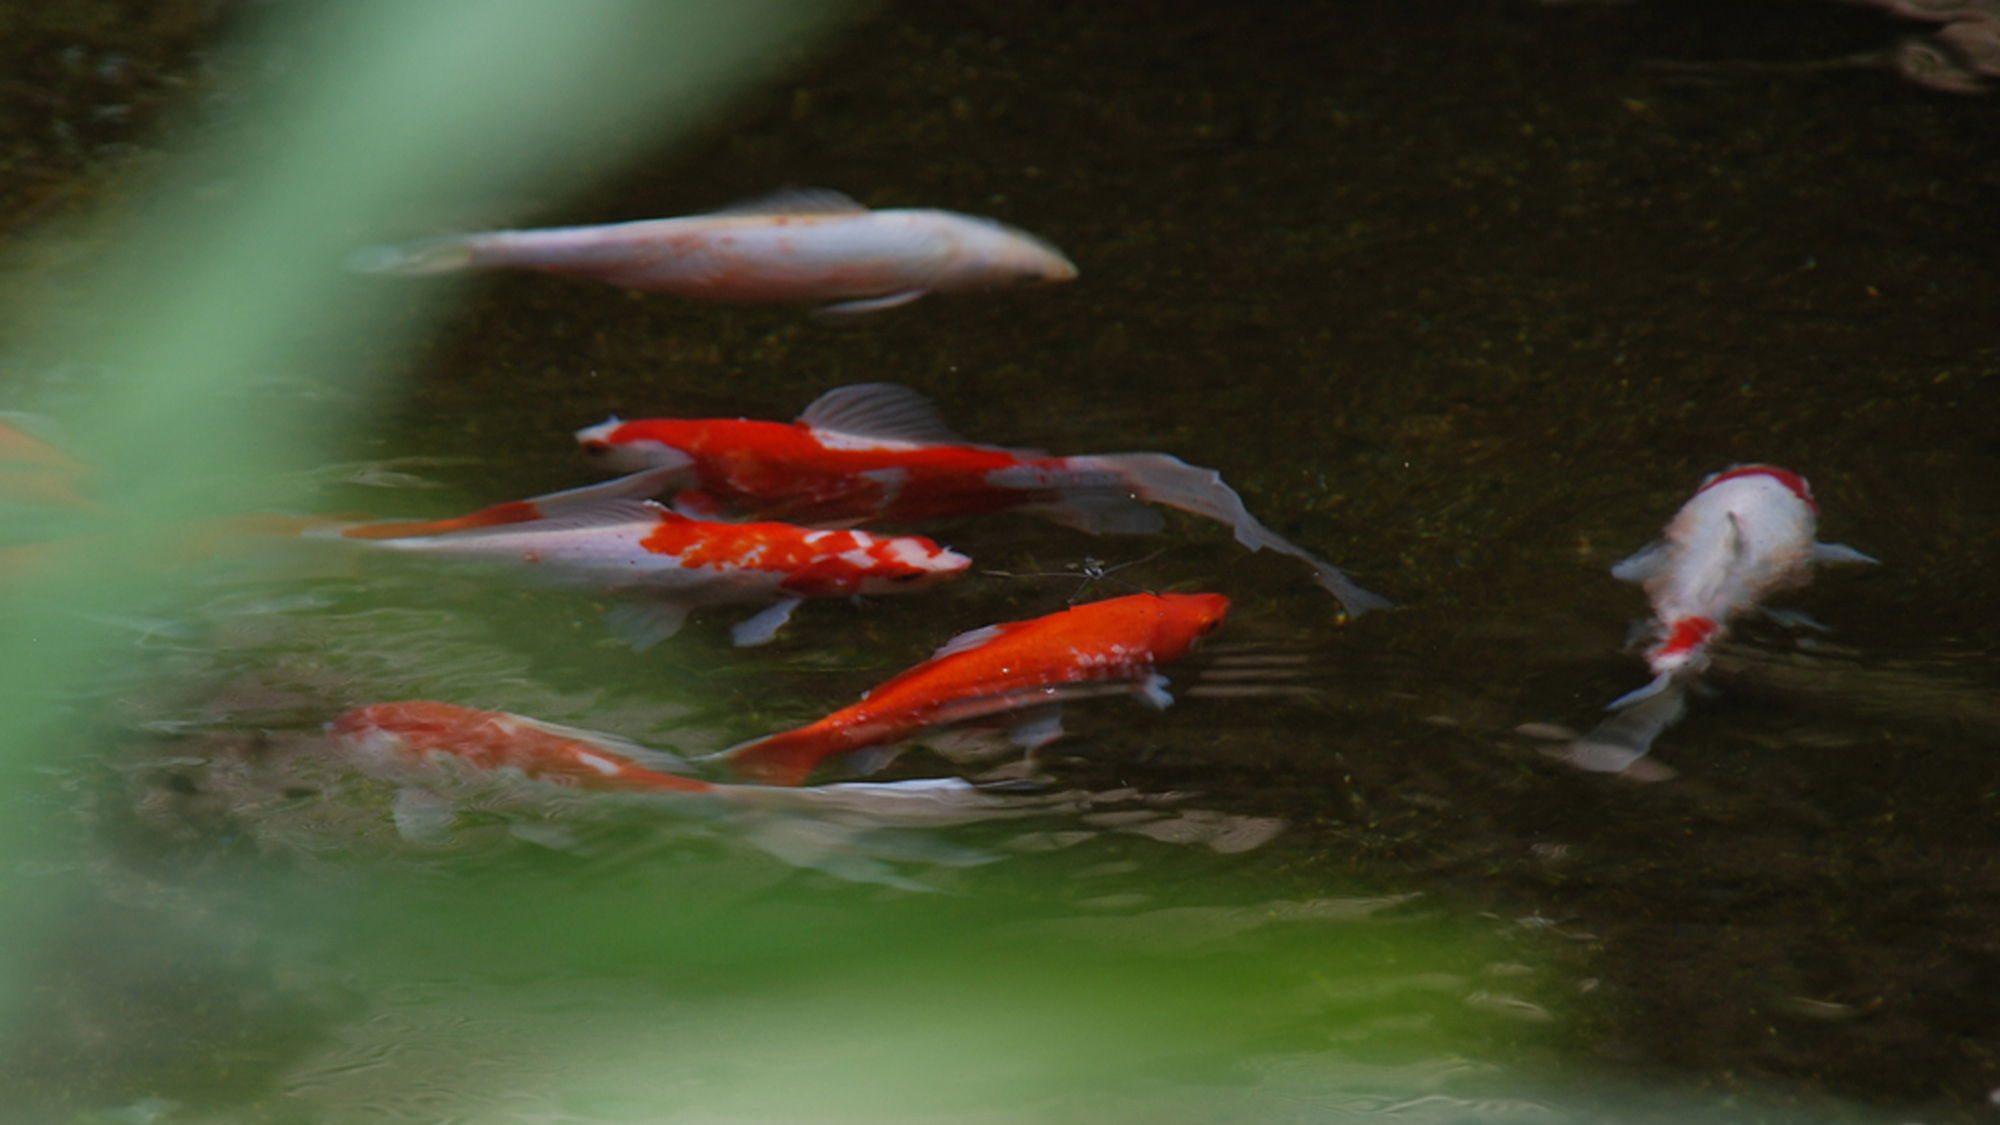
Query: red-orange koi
point(1108, 647)
point(875, 452)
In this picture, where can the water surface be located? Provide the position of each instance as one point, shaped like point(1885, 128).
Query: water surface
point(1467, 297)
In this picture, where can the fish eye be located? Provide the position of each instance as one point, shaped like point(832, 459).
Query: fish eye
point(596, 448)
point(912, 576)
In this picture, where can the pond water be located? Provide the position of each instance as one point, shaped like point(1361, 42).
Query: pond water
point(1467, 297)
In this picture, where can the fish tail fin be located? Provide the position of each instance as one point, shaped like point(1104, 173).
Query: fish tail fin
point(414, 259)
point(787, 758)
point(1161, 479)
point(1621, 742)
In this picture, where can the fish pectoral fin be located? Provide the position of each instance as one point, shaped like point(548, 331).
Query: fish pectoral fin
point(423, 817)
point(1836, 553)
point(1038, 726)
point(645, 624)
point(967, 641)
point(869, 304)
point(763, 628)
point(1794, 619)
point(871, 760)
point(1153, 689)
point(883, 411)
point(1644, 566)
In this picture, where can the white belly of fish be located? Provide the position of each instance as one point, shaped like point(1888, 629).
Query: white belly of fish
point(804, 258)
point(601, 558)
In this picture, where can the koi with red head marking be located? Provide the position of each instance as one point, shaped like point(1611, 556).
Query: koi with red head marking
point(597, 537)
point(874, 452)
point(1024, 668)
point(1747, 533)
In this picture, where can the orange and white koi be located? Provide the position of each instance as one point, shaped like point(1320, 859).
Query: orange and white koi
point(1747, 533)
point(497, 740)
point(810, 245)
point(598, 537)
point(878, 452)
point(1022, 668)
point(435, 751)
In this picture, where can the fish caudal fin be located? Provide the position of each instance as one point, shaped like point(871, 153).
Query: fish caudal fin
point(414, 259)
point(1620, 743)
point(1161, 479)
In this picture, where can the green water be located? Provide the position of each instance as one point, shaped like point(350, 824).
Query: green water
point(1466, 297)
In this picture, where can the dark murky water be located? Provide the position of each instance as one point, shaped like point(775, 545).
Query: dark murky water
point(1467, 297)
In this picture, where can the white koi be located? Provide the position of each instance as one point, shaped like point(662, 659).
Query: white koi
point(793, 246)
point(1747, 533)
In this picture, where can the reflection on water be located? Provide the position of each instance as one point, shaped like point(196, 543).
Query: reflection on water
point(1462, 295)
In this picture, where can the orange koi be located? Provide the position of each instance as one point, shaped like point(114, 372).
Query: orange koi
point(877, 452)
point(1025, 667)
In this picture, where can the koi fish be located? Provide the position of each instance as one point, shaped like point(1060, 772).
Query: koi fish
point(598, 537)
point(878, 452)
point(1747, 533)
point(1022, 668)
point(433, 750)
point(800, 245)
point(497, 740)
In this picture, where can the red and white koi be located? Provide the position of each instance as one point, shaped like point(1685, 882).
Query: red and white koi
point(811, 245)
point(878, 452)
point(1747, 533)
point(598, 537)
point(1023, 668)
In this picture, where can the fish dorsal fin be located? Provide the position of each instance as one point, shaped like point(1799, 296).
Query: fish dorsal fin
point(796, 201)
point(609, 743)
point(967, 641)
point(587, 517)
point(637, 486)
point(879, 412)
